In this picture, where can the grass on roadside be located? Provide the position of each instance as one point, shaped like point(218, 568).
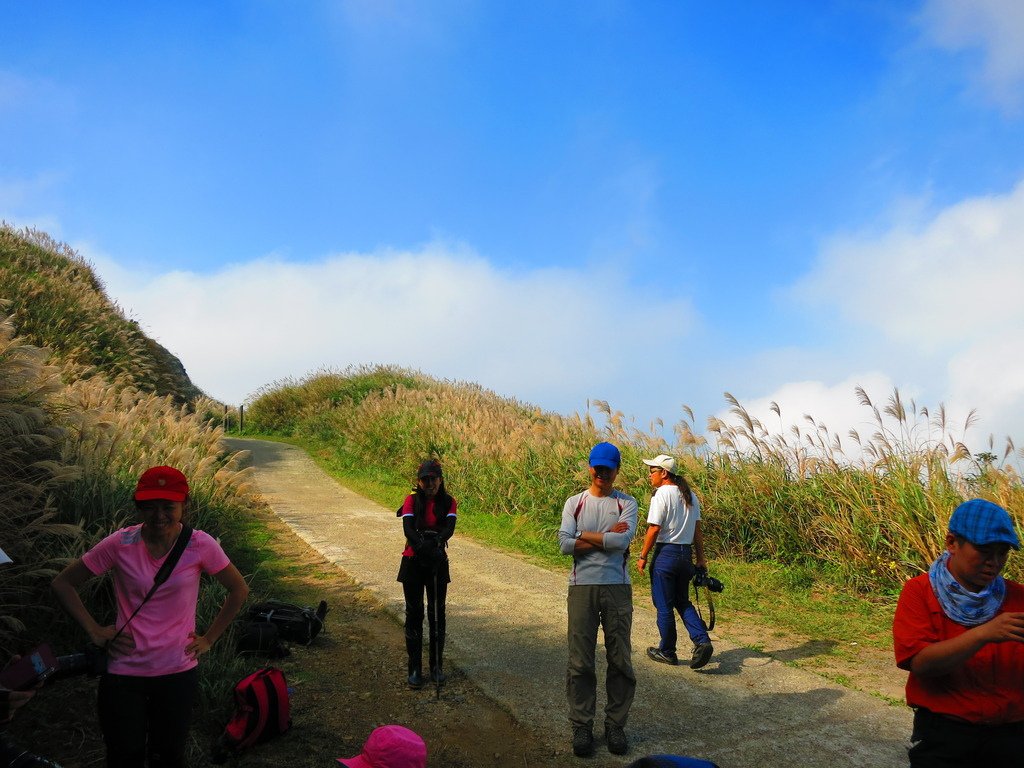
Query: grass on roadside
point(788, 597)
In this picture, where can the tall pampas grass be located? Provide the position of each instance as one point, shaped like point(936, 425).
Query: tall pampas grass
point(867, 511)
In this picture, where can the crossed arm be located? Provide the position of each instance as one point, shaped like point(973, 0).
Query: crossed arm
point(592, 540)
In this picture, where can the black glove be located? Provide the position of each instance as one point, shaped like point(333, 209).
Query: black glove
point(430, 547)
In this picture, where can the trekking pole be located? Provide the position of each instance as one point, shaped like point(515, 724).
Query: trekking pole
point(437, 630)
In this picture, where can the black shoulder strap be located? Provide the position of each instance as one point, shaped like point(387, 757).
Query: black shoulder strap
point(172, 560)
point(164, 573)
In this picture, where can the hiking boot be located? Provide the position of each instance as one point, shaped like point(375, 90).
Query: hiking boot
point(701, 655)
point(656, 654)
point(582, 740)
point(616, 738)
point(414, 648)
point(415, 678)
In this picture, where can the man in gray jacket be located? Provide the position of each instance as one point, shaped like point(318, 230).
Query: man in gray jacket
point(597, 528)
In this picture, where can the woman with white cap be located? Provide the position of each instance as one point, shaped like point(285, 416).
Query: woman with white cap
point(673, 544)
point(145, 697)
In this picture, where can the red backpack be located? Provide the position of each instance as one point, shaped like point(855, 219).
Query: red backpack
point(262, 711)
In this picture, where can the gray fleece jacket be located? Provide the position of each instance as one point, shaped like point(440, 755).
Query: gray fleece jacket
point(584, 512)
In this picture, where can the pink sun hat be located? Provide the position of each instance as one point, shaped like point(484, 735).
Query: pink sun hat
point(390, 746)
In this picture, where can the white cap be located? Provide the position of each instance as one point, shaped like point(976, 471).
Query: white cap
point(662, 461)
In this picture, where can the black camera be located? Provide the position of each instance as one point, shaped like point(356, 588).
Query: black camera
point(710, 583)
point(92, 662)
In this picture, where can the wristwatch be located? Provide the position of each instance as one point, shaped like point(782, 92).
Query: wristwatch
point(579, 535)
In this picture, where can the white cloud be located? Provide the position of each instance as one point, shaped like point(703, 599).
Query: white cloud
point(945, 292)
point(833, 406)
point(826, 411)
point(953, 280)
point(547, 336)
point(993, 27)
point(990, 376)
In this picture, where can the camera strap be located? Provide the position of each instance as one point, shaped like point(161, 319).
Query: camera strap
point(163, 574)
point(711, 606)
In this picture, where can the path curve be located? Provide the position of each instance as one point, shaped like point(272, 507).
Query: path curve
point(506, 631)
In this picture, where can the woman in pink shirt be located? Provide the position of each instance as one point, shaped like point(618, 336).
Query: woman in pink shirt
point(428, 521)
point(146, 695)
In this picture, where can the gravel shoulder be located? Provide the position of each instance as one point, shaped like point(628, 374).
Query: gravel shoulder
point(506, 622)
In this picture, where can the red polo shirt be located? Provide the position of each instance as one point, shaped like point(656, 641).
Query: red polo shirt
point(988, 688)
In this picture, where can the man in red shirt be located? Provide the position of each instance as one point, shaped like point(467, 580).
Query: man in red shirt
point(959, 631)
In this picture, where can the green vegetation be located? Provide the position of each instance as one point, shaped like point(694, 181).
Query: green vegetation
point(56, 301)
point(807, 537)
point(86, 404)
point(804, 537)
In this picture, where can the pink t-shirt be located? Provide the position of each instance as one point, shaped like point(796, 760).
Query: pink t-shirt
point(162, 627)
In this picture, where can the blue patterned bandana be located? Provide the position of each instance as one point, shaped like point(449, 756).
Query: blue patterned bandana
point(960, 604)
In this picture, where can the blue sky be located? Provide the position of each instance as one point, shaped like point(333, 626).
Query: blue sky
point(649, 203)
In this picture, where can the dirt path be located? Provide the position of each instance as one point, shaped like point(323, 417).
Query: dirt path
point(507, 634)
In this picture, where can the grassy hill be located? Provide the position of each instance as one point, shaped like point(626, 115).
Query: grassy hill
point(87, 402)
point(54, 300)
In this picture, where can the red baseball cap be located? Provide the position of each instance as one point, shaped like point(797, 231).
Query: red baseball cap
point(162, 483)
point(390, 746)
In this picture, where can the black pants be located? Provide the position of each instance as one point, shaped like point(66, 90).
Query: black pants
point(416, 579)
point(942, 742)
point(145, 720)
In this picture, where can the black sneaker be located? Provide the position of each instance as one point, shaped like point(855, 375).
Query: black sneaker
point(582, 740)
point(701, 655)
point(656, 654)
point(616, 738)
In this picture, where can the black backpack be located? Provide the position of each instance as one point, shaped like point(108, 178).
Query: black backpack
point(260, 638)
point(295, 623)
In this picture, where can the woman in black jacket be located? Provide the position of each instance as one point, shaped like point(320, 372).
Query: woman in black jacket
point(428, 520)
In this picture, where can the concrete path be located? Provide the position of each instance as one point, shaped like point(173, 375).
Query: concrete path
point(506, 630)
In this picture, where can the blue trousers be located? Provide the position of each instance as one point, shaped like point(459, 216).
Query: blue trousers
point(671, 572)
